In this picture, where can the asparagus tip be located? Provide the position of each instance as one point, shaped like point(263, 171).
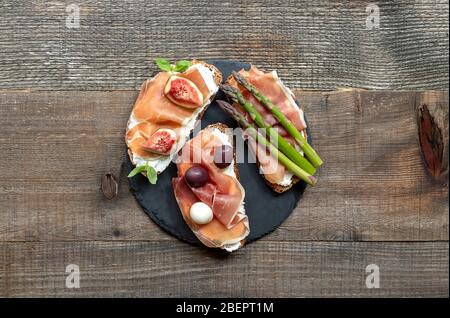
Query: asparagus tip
point(238, 77)
point(226, 107)
point(227, 89)
point(223, 104)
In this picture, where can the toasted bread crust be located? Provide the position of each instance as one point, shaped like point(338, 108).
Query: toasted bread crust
point(217, 79)
point(278, 188)
point(215, 70)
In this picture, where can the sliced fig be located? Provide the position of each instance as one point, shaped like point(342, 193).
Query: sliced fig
point(162, 142)
point(183, 92)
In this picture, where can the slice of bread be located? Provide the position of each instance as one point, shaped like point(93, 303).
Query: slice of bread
point(217, 80)
point(274, 186)
point(224, 129)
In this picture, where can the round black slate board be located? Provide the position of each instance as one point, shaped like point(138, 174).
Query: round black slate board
point(266, 209)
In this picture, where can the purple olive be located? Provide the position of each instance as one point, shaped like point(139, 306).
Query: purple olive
point(223, 156)
point(196, 176)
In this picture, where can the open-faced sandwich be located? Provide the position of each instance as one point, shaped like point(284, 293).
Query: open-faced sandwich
point(166, 111)
point(266, 108)
point(208, 191)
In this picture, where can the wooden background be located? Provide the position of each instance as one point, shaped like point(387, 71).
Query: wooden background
point(65, 96)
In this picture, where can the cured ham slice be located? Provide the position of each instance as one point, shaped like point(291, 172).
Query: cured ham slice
point(273, 171)
point(271, 86)
point(153, 110)
point(213, 234)
point(153, 106)
point(223, 193)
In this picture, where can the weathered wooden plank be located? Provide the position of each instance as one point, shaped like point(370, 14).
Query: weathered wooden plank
point(374, 179)
point(321, 45)
point(263, 269)
point(56, 145)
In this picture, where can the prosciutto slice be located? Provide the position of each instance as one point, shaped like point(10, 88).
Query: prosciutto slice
point(153, 110)
point(223, 193)
point(271, 86)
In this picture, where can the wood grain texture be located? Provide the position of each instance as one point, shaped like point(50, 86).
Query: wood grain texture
point(55, 147)
point(266, 269)
point(65, 97)
point(314, 45)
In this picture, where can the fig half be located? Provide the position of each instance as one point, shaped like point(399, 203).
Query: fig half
point(162, 142)
point(183, 92)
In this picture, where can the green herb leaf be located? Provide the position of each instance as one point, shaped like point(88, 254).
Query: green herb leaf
point(136, 170)
point(163, 64)
point(152, 176)
point(182, 65)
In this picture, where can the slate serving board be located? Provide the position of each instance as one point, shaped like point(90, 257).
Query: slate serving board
point(266, 209)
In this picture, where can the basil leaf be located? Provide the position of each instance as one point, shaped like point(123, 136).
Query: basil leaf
point(163, 64)
point(136, 170)
point(182, 65)
point(152, 176)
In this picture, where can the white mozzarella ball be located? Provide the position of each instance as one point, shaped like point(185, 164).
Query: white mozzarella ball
point(201, 213)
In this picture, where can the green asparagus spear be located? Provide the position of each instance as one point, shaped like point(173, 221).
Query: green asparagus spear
point(253, 132)
point(285, 122)
point(273, 135)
